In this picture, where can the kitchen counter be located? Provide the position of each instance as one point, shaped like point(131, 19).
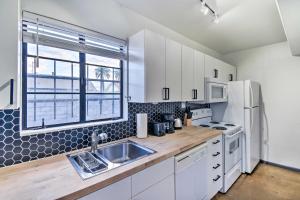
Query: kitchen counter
point(55, 178)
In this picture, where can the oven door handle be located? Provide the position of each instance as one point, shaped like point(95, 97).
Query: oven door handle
point(233, 135)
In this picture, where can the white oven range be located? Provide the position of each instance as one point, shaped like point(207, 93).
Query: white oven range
point(232, 135)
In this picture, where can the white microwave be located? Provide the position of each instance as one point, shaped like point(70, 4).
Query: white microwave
point(216, 91)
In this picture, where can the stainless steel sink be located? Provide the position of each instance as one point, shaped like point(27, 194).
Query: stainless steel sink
point(107, 157)
point(124, 152)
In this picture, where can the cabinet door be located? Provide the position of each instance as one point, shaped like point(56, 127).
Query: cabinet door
point(173, 70)
point(222, 71)
point(231, 72)
point(155, 66)
point(118, 191)
point(199, 75)
point(210, 66)
point(163, 190)
point(187, 73)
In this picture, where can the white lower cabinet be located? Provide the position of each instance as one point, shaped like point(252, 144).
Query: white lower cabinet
point(152, 175)
point(118, 191)
point(158, 181)
point(163, 190)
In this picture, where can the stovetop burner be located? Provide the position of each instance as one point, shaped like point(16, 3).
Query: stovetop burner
point(214, 122)
point(229, 125)
point(204, 125)
point(219, 128)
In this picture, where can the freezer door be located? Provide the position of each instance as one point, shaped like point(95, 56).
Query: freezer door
point(252, 94)
point(234, 111)
point(252, 143)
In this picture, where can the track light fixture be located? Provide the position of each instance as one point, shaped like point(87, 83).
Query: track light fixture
point(216, 19)
point(206, 9)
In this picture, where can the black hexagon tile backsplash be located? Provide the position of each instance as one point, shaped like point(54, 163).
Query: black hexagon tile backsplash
point(15, 149)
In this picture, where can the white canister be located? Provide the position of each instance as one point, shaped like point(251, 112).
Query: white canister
point(141, 125)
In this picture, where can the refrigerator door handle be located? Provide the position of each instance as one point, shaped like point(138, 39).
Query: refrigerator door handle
point(251, 120)
point(251, 96)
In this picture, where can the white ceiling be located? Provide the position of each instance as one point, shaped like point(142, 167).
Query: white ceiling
point(243, 24)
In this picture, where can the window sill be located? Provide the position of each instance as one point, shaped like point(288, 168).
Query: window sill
point(68, 127)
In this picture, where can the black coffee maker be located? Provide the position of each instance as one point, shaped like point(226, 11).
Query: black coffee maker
point(169, 120)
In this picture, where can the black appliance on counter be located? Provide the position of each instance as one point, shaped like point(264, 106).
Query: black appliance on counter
point(169, 119)
point(157, 128)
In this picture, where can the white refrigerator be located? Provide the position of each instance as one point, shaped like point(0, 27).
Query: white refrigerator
point(244, 108)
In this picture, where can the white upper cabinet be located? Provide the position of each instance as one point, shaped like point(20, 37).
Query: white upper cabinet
point(192, 74)
point(155, 59)
point(154, 68)
point(199, 75)
point(219, 70)
point(188, 90)
point(173, 70)
point(147, 67)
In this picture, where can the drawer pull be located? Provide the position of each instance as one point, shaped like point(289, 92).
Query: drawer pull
point(216, 154)
point(216, 179)
point(216, 142)
point(217, 166)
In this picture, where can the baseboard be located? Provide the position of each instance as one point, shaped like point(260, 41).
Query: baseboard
point(279, 165)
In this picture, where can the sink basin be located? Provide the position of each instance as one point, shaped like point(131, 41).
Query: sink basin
point(87, 164)
point(107, 157)
point(123, 152)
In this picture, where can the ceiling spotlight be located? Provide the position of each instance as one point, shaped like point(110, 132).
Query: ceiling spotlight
point(216, 19)
point(204, 8)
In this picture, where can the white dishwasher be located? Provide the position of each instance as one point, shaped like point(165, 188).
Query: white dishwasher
point(191, 174)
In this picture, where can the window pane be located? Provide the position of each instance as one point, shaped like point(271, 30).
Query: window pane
point(103, 61)
point(63, 69)
point(51, 52)
point(100, 73)
point(93, 86)
point(36, 84)
point(54, 109)
point(117, 74)
point(102, 106)
point(67, 86)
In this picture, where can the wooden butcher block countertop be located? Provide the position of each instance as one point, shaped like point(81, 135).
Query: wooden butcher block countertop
point(55, 178)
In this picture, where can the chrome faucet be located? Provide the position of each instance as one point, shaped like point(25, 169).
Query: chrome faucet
point(95, 140)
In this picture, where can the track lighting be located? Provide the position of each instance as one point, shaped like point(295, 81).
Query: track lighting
point(206, 9)
point(216, 19)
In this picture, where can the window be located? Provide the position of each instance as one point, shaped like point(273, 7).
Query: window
point(69, 77)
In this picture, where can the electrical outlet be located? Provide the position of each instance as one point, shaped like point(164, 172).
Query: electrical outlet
point(183, 104)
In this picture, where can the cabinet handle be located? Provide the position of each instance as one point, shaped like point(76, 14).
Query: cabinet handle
point(216, 179)
point(215, 73)
point(183, 158)
point(216, 154)
point(11, 101)
point(216, 142)
point(217, 166)
point(165, 94)
point(168, 93)
point(195, 94)
point(230, 77)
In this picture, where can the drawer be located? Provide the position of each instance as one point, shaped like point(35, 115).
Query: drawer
point(215, 184)
point(215, 144)
point(117, 191)
point(215, 166)
point(152, 175)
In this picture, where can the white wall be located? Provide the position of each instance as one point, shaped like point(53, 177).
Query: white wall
point(106, 16)
point(279, 75)
point(9, 15)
